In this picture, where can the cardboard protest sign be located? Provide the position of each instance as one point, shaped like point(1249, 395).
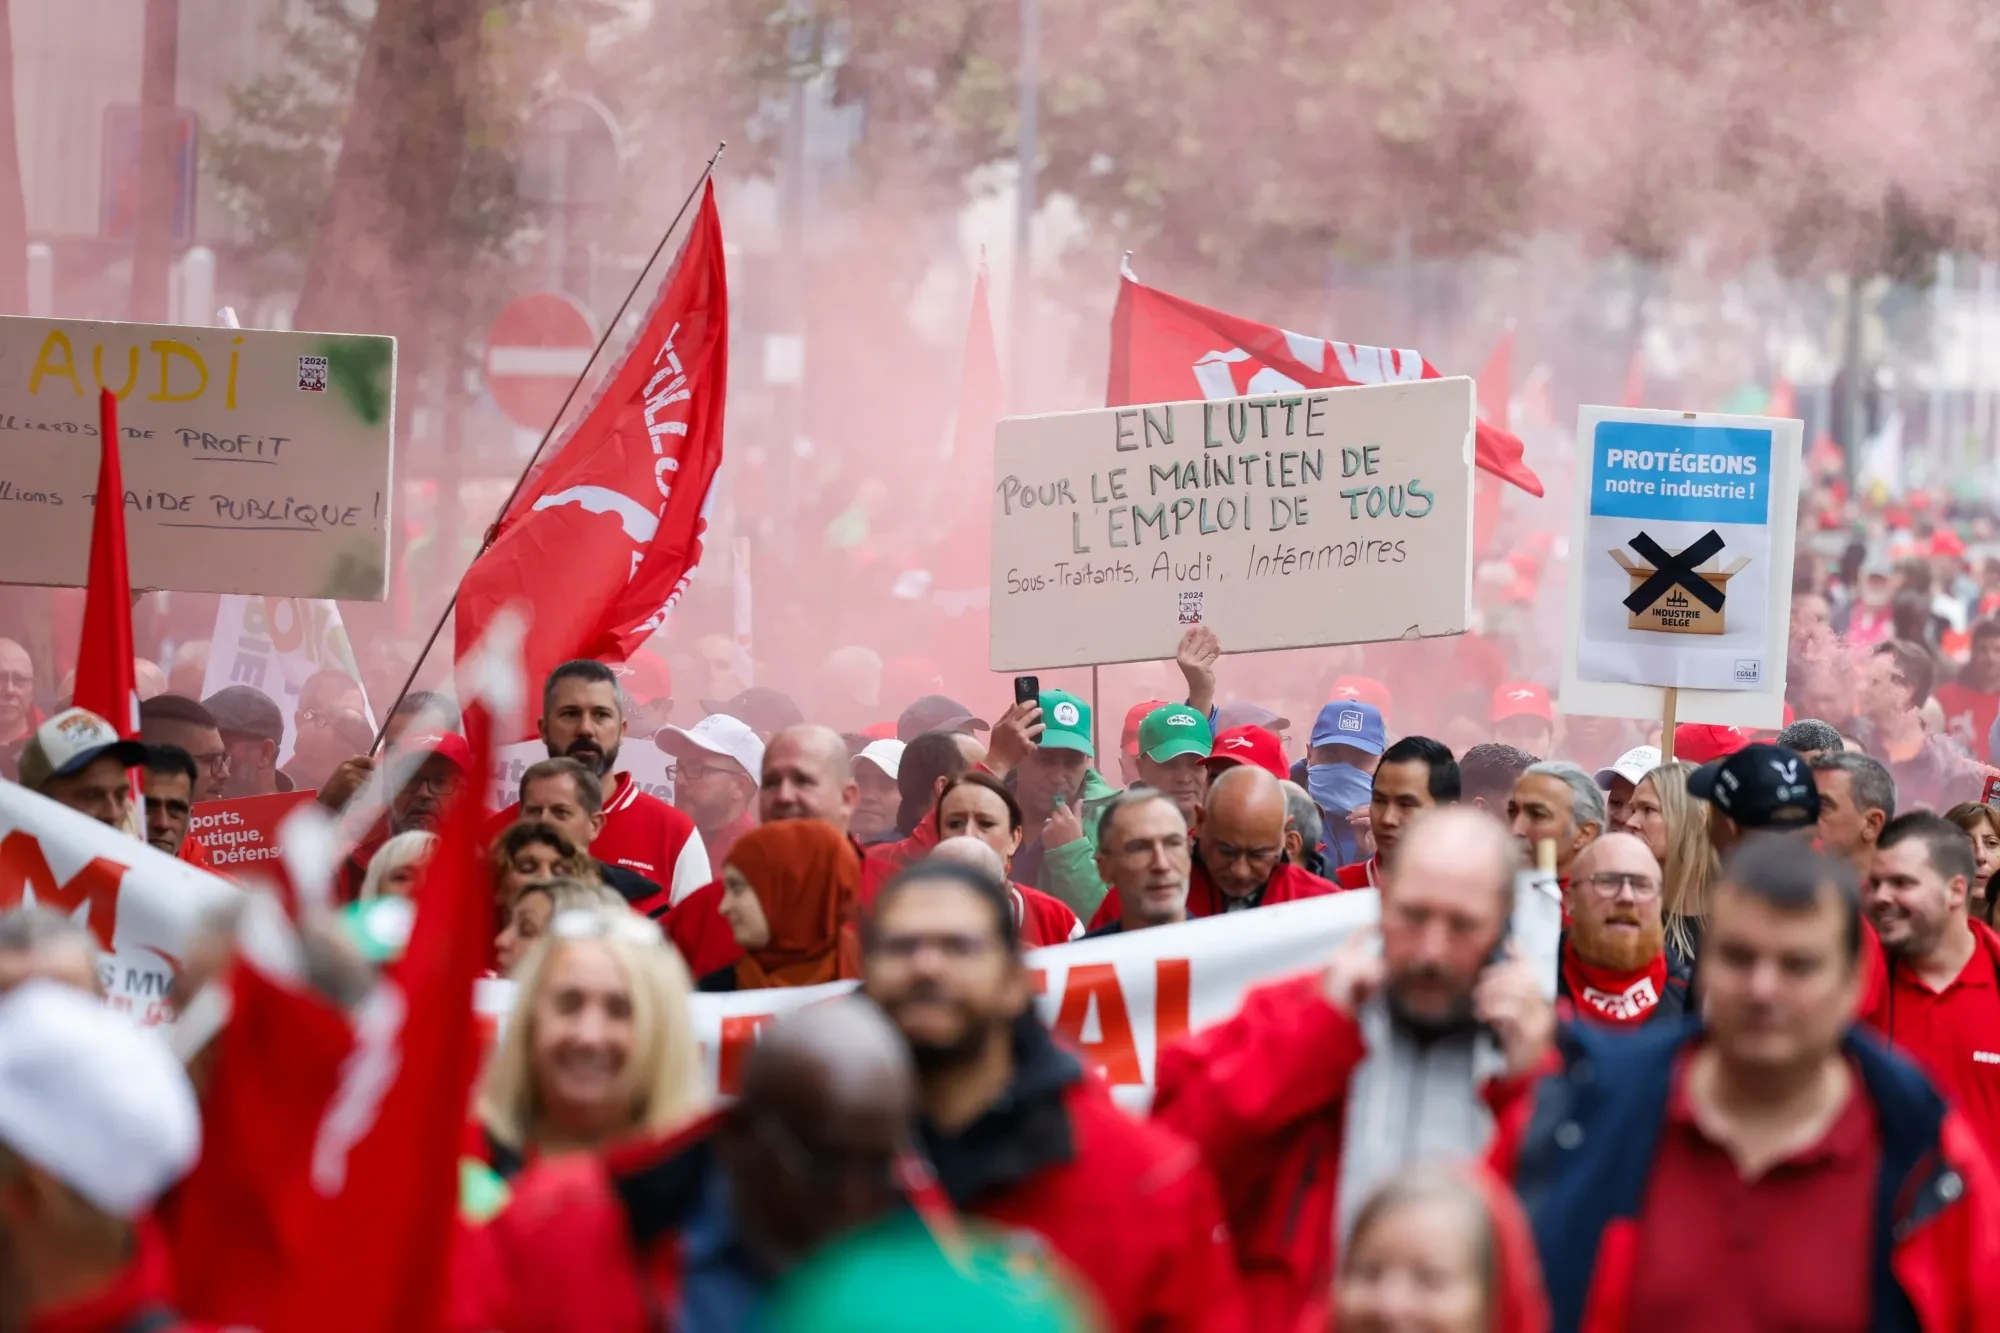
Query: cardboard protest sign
point(275, 644)
point(240, 832)
point(1284, 521)
point(649, 766)
point(254, 461)
point(1681, 565)
point(141, 905)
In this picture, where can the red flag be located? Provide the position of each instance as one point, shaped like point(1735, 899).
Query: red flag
point(1166, 349)
point(1496, 392)
point(106, 683)
point(384, 1170)
point(1635, 381)
point(599, 546)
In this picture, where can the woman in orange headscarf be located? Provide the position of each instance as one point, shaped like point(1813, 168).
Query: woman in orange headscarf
point(788, 893)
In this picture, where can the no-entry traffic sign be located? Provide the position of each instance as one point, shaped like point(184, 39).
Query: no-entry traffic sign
point(536, 348)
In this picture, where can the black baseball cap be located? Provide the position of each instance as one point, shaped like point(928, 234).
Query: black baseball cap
point(761, 709)
point(935, 712)
point(1760, 787)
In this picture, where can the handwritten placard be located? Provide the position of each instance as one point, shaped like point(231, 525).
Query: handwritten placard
point(1288, 521)
point(255, 461)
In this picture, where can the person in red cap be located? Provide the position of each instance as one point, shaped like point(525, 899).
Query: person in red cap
point(1416, 773)
point(1248, 745)
point(1128, 740)
point(1523, 717)
point(1697, 743)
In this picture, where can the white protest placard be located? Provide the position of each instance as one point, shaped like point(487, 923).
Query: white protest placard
point(254, 461)
point(275, 644)
point(1283, 521)
point(143, 906)
point(648, 765)
point(1680, 566)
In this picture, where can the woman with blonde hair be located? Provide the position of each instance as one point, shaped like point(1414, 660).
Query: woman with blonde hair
point(599, 1046)
point(1674, 825)
point(540, 901)
point(397, 865)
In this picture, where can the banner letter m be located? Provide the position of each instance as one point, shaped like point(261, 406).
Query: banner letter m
point(27, 881)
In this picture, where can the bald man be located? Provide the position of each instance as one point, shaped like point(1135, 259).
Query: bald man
point(1043, 918)
point(1615, 965)
point(807, 775)
point(691, 1231)
point(1239, 848)
point(1407, 1048)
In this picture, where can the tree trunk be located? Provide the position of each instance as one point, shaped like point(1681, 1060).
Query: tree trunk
point(373, 267)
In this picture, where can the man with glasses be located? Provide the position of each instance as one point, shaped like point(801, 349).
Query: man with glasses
point(1022, 1136)
point(169, 719)
point(1616, 969)
point(329, 727)
point(1239, 848)
point(18, 714)
point(417, 806)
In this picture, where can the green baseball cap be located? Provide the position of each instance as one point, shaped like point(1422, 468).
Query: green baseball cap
point(1167, 733)
point(1065, 722)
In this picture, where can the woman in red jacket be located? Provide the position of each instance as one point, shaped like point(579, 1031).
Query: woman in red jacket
point(975, 804)
point(1442, 1250)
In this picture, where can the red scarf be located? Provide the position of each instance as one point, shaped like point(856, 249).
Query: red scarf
point(1606, 995)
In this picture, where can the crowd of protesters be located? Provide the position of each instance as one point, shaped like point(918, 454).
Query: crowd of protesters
point(1766, 1093)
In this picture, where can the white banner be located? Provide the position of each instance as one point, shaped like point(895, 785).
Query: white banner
point(274, 644)
point(142, 905)
point(650, 766)
point(1118, 999)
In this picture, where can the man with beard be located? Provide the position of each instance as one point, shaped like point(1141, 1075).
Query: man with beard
point(1765, 1167)
point(1416, 1043)
point(1971, 703)
point(1615, 969)
point(1021, 1135)
point(807, 775)
point(1942, 1001)
point(1142, 853)
point(97, 1121)
point(253, 731)
point(444, 763)
point(691, 1231)
point(1415, 774)
point(583, 718)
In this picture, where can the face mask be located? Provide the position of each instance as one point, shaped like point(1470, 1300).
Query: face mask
point(1339, 786)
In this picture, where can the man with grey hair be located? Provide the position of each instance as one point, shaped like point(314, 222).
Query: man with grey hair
point(1144, 855)
point(1308, 831)
point(1856, 798)
point(37, 944)
point(1810, 738)
point(1555, 802)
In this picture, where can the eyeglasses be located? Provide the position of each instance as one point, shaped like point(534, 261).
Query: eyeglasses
point(24, 684)
point(692, 771)
point(1610, 883)
point(216, 762)
point(1259, 858)
point(439, 784)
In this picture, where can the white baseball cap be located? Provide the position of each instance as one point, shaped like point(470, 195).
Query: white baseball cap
point(100, 1104)
point(71, 741)
point(885, 755)
point(718, 733)
point(1634, 764)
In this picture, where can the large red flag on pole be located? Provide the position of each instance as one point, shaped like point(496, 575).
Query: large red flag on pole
point(1166, 349)
point(106, 679)
point(384, 1171)
point(600, 545)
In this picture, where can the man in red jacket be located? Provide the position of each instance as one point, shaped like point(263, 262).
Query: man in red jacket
point(1941, 1003)
point(1020, 1134)
point(1414, 1044)
point(689, 1232)
point(583, 717)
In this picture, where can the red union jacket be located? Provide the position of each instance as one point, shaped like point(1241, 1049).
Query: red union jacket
point(1287, 884)
point(1128, 1205)
point(1264, 1095)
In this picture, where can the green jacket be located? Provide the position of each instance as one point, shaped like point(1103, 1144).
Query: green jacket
point(1069, 872)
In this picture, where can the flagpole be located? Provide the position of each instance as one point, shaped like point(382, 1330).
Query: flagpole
point(493, 529)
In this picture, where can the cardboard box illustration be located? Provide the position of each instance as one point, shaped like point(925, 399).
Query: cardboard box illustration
point(1675, 611)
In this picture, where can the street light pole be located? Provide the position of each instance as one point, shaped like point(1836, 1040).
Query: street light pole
point(154, 227)
point(1027, 149)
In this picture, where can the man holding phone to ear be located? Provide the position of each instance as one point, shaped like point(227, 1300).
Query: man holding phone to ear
point(1417, 1042)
